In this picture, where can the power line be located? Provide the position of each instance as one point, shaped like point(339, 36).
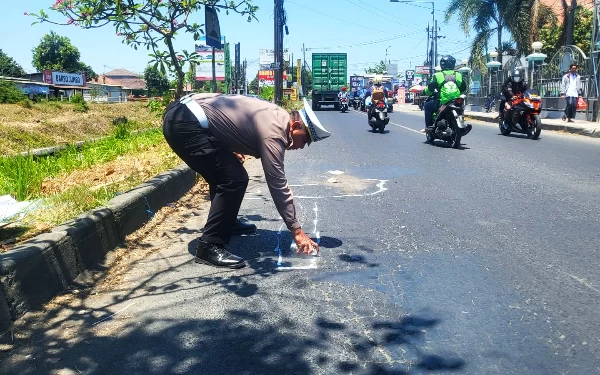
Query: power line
point(335, 18)
point(366, 43)
point(382, 17)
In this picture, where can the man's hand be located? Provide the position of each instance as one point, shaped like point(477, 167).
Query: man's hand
point(240, 157)
point(305, 244)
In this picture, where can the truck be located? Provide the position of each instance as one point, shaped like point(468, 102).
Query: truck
point(330, 72)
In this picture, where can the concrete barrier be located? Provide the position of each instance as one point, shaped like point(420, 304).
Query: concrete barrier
point(37, 270)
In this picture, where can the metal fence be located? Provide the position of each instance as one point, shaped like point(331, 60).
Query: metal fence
point(544, 77)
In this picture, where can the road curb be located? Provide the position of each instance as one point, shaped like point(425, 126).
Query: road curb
point(37, 270)
point(588, 132)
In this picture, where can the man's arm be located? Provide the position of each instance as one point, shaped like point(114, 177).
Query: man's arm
point(432, 86)
point(272, 156)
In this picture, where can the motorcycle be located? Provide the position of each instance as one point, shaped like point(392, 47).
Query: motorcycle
point(490, 104)
point(524, 115)
point(356, 102)
point(449, 122)
point(344, 104)
point(377, 116)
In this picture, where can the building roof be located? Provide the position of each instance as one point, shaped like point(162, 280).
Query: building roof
point(557, 7)
point(121, 73)
point(128, 83)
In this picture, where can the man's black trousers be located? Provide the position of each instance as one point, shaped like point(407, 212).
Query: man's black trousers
point(220, 168)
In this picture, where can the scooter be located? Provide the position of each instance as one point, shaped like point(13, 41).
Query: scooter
point(344, 104)
point(377, 116)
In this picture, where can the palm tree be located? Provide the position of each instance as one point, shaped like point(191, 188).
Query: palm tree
point(486, 17)
point(529, 18)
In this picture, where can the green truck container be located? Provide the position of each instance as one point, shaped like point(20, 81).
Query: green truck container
point(330, 72)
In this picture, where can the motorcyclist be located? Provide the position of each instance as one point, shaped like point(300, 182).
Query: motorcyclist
point(513, 85)
point(343, 93)
point(377, 88)
point(449, 85)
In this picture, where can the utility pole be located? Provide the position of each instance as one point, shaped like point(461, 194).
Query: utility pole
point(435, 50)
point(278, 69)
point(302, 70)
point(245, 82)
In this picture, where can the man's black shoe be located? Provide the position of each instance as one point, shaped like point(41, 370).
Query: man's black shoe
point(242, 228)
point(216, 256)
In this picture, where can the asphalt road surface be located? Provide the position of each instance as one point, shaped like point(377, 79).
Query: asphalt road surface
point(479, 260)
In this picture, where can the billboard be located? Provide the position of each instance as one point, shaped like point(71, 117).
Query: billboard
point(267, 78)
point(267, 56)
point(212, 28)
point(422, 69)
point(392, 69)
point(204, 66)
point(64, 79)
point(356, 82)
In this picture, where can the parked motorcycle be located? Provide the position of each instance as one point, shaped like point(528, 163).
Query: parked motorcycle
point(344, 104)
point(377, 116)
point(524, 115)
point(449, 122)
point(490, 104)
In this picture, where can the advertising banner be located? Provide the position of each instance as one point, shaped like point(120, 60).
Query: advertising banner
point(355, 82)
point(204, 67)
point(421, 69)
point(213, 30)
point(267, 56)
point(64, 79)
point(267, 78)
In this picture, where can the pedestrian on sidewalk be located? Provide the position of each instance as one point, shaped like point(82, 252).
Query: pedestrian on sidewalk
point(210, 132)
point(571, 89)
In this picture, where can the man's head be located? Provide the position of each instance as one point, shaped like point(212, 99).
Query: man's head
point(573, 68)
point(305, 128)
point(298, 132)
point(447, 62)
point(518, 74)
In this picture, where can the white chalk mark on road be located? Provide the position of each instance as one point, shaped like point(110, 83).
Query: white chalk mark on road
point(111, 315)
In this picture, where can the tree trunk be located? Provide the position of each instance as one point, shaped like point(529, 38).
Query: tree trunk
point(500, 42)
point(177, 65)
point(571, 22)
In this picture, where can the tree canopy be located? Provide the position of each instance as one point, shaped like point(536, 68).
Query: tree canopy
point(152, 24)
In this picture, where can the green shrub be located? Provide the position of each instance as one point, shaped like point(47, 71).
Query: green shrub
point(80, 104)
point(10, 93)
point(267, 93)
point(26, 103)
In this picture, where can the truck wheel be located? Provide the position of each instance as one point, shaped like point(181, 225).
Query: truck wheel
point(315, 106)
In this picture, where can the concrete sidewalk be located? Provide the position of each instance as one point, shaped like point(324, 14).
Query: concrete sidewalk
point(585, 128)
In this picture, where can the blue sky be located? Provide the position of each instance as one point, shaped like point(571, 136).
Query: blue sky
point(362, 29)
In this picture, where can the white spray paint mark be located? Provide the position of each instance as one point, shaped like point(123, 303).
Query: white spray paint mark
point(380, 189)
point(315, 231)
point(278, 248)
point(111, 315)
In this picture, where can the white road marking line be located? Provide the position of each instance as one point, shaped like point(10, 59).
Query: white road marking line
point(393, 123)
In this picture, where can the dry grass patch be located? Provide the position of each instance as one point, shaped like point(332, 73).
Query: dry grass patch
point(54, 123)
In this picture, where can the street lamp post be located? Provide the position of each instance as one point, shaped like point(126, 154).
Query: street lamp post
point(465, 71)
point(492, 65)
point(386, 60)
point(534, 57)
point(433, 57)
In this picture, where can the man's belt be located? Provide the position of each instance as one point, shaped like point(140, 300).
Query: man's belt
point(196, 109)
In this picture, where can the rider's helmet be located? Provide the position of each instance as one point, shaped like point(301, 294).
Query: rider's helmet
point(447, 62)
point(343, 88)
point(377, 80)
point(518, 74)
